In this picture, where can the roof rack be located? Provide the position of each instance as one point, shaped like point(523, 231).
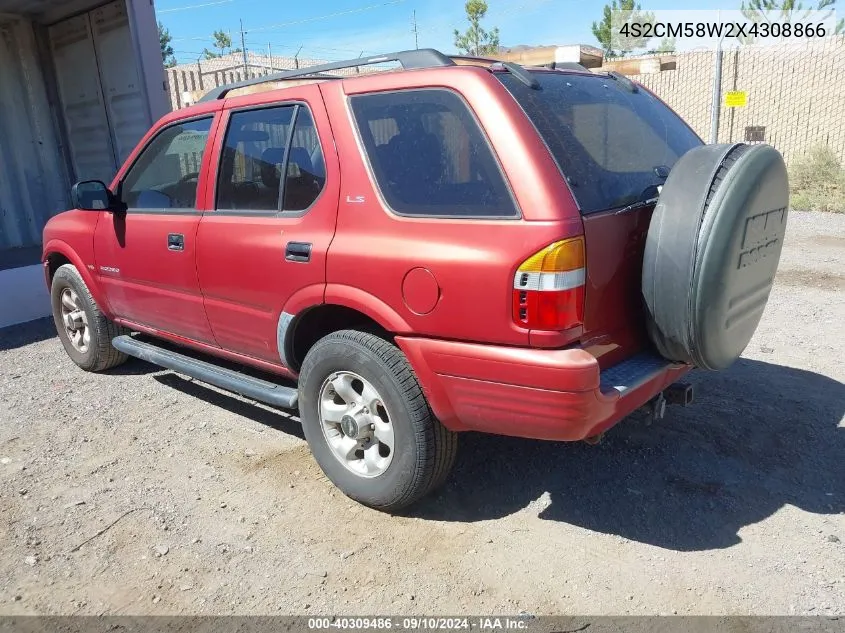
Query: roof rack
point(565, 66)
point(515, 69)
point(474, 58)
point(422, 58)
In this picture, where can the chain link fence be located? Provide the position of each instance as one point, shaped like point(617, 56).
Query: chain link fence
point(789, 95)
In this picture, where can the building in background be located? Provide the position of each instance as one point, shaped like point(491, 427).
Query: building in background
point(81, 81)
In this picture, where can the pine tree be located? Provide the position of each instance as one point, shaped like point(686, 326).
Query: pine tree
point(475, 40)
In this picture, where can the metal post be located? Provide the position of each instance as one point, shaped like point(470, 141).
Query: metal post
point(416, 34)
point(716, 102)
point(270, 54)
point(243, 50)
point(199, 72)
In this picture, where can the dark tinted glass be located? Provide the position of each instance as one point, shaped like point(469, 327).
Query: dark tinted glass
point(306, 171)
point(253, 156)
point(429, 155)
point(166, 173)
point(612, 145)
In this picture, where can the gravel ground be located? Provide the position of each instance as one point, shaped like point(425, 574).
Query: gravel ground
point(139, 491)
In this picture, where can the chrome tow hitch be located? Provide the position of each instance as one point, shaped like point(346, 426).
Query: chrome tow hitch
point(656, 409)
point(679, 393)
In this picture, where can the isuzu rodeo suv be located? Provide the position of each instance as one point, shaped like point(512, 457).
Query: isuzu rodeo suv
point(456, 245)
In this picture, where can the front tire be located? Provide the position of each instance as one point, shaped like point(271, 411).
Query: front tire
point(368, 423)
point(84, 330)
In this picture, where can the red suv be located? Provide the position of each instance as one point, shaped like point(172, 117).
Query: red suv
point(456, 245)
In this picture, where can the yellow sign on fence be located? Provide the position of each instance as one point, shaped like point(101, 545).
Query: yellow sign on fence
point(736, 99)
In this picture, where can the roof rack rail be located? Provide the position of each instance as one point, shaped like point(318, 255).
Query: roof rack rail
point(565, 66)
point(515, 69)
point(474, 58)
point(626, 83)
point(422, 58)
point(520, 73)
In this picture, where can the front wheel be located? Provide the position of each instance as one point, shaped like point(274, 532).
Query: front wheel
point(368, 423)
point(84, 330)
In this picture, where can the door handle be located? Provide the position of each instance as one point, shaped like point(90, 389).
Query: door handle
point(175, 242)
point(298, 252)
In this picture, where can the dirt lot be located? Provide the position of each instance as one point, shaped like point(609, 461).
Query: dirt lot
point(139, 491)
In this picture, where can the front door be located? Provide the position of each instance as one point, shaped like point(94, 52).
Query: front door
point(146, 257)
point(275, 214)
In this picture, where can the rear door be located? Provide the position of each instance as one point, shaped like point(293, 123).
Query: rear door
point(276, 195)
point(614, 143)
point(146, 257)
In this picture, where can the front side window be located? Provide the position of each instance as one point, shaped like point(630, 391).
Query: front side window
point(259, 147)
point(429, 156)
point(166, 173)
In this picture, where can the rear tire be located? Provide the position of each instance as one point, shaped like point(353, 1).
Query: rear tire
point(368, 423)
point(84, 330)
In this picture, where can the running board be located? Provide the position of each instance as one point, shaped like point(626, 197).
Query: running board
point(228, 379)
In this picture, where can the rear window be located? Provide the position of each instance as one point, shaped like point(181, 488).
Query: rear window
point(429, 155)
point(613, 146)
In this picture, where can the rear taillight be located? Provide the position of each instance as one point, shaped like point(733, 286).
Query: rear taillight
point(548, 288)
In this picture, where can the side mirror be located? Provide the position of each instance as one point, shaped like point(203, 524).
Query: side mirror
point(92, 195)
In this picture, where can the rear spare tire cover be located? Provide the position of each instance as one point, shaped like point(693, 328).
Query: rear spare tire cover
point(712, 251)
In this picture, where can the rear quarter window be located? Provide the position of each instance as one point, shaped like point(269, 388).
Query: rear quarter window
point(613, 146)
point(429, 156)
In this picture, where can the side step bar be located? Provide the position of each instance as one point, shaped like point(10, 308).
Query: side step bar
point(255, 388)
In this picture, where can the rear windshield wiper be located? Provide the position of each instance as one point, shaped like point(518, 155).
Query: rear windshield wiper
point(636, 205)
point(653, 193)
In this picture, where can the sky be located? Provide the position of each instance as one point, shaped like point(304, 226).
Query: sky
point(341, 29)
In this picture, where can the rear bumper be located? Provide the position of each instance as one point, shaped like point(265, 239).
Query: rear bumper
point(543, 394)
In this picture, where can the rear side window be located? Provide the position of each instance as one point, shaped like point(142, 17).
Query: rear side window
point(429, 156)
point(613, 146)
point(259, 147)
point(306, 170)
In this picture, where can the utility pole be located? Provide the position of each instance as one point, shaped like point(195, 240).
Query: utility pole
point(243, 50)
point(199, 71)
point(416, 35)
point(270, 54)
point(296, 57)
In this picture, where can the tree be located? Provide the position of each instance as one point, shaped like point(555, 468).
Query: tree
point(222, 42)
point(667, 45)
point(614, 16)
point(164, 38)
point(762, 10)
point(476, 41)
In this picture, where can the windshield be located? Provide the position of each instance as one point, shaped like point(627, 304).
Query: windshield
point(613, 146)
